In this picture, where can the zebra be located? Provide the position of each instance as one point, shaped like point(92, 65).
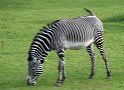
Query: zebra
point(80, 32)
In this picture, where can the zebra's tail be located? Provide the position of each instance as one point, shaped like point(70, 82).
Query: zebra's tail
point(89, 12)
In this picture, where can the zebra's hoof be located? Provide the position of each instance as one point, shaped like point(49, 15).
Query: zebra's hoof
point(90, 77)
point(57, 84)
point(108, 77)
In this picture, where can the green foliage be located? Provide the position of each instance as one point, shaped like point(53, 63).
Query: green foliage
point(20, 20)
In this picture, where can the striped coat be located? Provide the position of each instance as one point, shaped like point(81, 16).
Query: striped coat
point(60, 35)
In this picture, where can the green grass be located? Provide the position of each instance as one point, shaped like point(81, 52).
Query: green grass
point(20, 20)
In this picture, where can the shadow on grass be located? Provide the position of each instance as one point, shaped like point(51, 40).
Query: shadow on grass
point(117, 18)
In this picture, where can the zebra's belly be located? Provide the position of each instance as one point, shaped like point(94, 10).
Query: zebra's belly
point(77, 45)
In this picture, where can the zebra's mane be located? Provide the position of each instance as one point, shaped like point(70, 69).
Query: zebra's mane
point(44, 29)
point(48, 25)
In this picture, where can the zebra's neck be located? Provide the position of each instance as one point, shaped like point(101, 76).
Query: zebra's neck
point(41, 45)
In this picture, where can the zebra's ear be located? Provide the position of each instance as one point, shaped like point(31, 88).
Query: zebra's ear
point(30, 58)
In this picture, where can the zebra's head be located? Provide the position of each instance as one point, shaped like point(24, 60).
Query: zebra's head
point(34, 70)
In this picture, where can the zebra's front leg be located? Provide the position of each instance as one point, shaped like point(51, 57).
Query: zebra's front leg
point(58, 82)
point(61, 69)
point(93, 60)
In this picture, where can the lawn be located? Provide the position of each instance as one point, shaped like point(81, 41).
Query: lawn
point(20, 20)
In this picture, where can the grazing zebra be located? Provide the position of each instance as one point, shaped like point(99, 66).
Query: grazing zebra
point(79, 32)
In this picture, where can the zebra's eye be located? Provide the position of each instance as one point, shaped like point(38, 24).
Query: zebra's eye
point(33, 69)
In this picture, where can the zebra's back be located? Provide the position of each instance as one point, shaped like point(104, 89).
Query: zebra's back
point(78, 32)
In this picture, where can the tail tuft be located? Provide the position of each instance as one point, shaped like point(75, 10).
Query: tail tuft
point(89, 11)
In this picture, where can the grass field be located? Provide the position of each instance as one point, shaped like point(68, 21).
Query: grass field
point(20, 20)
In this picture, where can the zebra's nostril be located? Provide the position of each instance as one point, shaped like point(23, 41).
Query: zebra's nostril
point(33, 83)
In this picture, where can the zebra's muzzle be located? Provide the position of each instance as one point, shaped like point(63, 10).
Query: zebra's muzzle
point(29, 82)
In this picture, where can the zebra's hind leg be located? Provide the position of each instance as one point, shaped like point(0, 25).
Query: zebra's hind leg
point(93, 60)
point(99, 45)
point(61, 69)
